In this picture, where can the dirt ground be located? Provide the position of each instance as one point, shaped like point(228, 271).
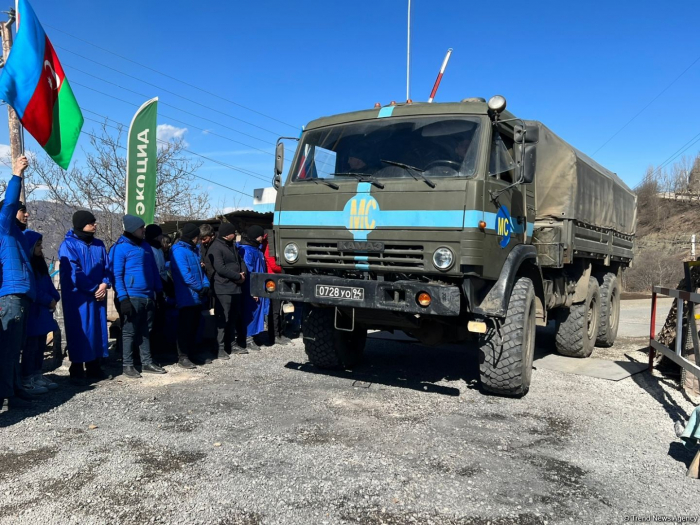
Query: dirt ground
point(406, 438)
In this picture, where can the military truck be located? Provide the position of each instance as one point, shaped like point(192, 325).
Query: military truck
point(450, 222)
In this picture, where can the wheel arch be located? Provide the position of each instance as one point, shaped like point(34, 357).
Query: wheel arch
point(521, 262)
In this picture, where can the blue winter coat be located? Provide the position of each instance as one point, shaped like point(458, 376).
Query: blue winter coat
point(254, 312)
point(188, 275)
point(41, 321)
point(16, 274)
point(134, 269)
point(83, 268)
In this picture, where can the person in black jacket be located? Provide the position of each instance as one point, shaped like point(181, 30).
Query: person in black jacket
point(229, 275)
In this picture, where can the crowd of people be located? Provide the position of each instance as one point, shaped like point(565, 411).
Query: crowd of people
point(160, 288)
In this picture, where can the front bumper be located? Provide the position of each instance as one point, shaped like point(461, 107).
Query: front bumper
point(398, 296)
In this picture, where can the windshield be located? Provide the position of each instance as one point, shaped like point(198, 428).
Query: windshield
point(391, 148)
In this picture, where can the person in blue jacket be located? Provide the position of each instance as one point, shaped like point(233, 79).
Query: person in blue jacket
point(40, 322)
point(17, 291)
point(137, 284)
point(85, 279)
point(255, 309)
point(191, 288)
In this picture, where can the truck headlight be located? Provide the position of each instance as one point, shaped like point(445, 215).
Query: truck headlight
point(291, 252)
point(443, 258)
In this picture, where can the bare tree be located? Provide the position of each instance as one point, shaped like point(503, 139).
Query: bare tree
point(100, 185)
point(694, 177)
point(648, 193)
point(31, 184)
point(653, 267)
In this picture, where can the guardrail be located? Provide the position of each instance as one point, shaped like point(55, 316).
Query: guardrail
point(681, 296)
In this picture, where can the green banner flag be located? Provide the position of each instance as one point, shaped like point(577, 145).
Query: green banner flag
point(141, 163)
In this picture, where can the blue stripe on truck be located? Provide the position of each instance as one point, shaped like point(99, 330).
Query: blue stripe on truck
point(396, 219)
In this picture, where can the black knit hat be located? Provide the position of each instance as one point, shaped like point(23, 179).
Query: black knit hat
point(226, 229)
point(190, 231)
point(153, 231)
point(254, 231)
point(82, 218)
point(21, 206)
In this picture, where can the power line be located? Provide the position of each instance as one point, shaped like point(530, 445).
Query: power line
point(168, 105)
point(171, 77)
point(184, 171)
point(230, 166)
point(171, 118)
point(676, 154)
point(165, 90)
point(649, 104)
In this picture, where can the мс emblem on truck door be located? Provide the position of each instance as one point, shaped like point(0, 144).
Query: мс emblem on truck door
point(504, 226)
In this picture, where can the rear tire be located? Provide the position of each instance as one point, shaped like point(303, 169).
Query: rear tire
point(609, 309)
point(506, 368)
point(327, 347)
point(578, 325)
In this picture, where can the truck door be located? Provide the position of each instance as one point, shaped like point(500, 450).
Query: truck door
point(504, 206)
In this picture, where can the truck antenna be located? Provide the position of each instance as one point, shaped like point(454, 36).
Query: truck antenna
point(408, 55)
point(439, 77)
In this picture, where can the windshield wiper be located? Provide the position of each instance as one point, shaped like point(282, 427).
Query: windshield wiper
point(361, 177)
point(411, 170)
point(323, 181)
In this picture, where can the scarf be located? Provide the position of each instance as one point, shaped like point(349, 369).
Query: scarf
point(86, 237)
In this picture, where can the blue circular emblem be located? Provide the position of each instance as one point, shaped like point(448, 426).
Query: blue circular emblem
point(361, 214)
point(504, 226)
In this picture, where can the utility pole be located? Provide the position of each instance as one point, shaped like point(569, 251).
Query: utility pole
point(16, 142)
point(692, 246)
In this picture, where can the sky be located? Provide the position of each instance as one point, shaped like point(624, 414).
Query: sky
point(585, 69)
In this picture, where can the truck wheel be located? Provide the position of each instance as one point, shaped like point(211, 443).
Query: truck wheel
point(609, 309)
point(506, 356)
point(327, 347)
point(578, 325)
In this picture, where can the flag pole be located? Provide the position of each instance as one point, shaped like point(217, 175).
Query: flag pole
point(408, 55)
point(15, 127)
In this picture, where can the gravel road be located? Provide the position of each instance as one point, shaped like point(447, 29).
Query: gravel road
point(407, 438)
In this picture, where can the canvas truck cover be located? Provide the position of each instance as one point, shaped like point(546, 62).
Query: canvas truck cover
point(571, 185)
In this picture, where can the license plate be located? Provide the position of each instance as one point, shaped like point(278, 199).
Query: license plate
point(350, 293)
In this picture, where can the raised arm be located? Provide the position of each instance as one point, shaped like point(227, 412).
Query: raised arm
point(14, 187)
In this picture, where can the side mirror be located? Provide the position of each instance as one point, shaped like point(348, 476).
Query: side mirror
point(279, 165)
point(527, 134)
point(279, 159)
point(527, 169)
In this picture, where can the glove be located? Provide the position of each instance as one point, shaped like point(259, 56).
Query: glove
point(204, 292)
point(126, 308)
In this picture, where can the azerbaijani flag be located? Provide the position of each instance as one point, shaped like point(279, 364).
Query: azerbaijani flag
point(34, 84)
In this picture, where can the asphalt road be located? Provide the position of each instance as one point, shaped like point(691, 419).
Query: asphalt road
point(635, 316)
point(406, 438)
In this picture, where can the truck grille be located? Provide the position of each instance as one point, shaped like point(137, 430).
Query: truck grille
point(394, 256)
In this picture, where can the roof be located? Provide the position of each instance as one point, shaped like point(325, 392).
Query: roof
point(408, 110)
point(249, 216)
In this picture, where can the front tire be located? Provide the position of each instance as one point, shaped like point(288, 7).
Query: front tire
point(506, 356)
point(578, 325)
point(327, 347)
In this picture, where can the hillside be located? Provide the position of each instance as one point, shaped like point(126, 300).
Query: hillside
point(53, 220)
point(664, 230)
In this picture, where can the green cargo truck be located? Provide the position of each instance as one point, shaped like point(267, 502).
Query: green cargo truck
point(450, 222)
